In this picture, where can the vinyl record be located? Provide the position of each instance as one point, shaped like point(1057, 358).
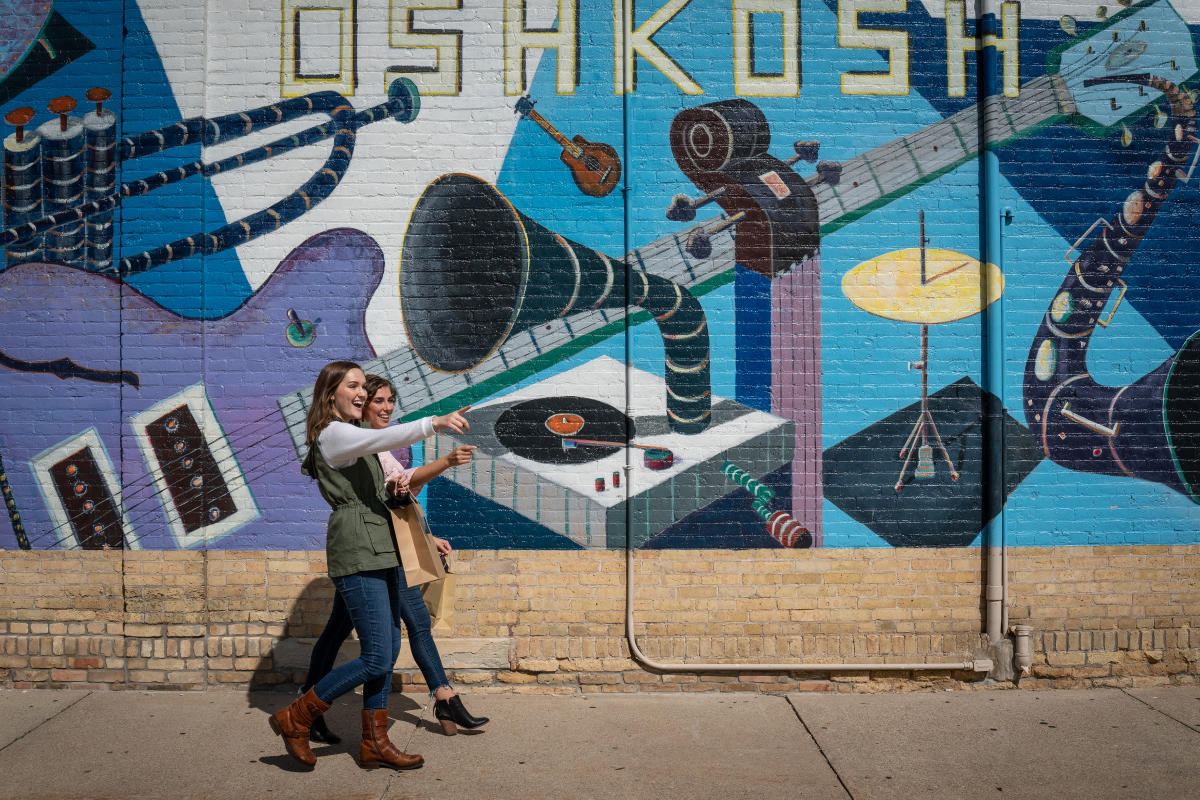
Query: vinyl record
point(535, 429)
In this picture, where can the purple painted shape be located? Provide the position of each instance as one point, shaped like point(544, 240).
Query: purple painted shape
point(21, 22)
point(796, 382)
point(243, 360)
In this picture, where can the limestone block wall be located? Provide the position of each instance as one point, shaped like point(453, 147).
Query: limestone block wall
point(554, 621)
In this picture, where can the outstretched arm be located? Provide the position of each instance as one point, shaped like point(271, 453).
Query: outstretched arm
point(342, 443)
point(427, 472)
point(412, 480)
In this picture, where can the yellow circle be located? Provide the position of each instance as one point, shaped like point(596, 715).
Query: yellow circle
point(890, 286)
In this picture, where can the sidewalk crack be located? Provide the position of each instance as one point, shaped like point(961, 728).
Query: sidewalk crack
point(821, 750)
point(1160, 711)
point(47, 719)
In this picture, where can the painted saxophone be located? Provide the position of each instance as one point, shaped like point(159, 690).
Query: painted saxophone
point(1149, 429)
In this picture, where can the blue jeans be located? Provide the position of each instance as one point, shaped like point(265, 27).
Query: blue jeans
point(374, 603)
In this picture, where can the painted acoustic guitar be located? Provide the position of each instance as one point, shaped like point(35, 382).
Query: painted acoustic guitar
point(595, 166)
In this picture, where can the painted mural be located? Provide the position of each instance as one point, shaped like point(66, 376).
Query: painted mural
point(747, 274)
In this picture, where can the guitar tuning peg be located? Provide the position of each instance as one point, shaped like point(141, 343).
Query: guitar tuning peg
point(699, 243)
point(828, 172)
point(1126, 136)
point(1102, 12)
point(683, 208)
point(806, 150)
point(1160, 117)
point(1125, 3)
point(1068, 24)
point(524, 105)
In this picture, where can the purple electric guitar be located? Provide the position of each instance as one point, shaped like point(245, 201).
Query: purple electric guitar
point(124, 425)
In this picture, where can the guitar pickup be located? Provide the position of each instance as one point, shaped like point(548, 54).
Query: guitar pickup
point(80, 486)
point(199, 481)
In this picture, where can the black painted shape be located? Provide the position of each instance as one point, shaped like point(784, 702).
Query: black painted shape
point(66, 368)
point(471, 521)
point(522, 429)
point(68, 44)
point(860, 472)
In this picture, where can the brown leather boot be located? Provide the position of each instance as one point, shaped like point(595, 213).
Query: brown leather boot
point(377, 749)
point(293, 723)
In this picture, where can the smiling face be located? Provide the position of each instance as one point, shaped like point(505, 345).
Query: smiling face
point(379, 408)
point(350, 396)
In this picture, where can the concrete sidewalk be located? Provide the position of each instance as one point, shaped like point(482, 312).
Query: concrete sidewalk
point(1005, 743)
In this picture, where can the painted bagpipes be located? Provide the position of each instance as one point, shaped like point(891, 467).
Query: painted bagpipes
point(62, 144)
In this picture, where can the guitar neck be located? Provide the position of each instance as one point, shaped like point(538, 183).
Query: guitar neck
point(886, 172)
point(563, 142)
point(867, 181)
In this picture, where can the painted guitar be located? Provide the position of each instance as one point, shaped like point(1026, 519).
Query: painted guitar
point(165, 432)
point(595, 166)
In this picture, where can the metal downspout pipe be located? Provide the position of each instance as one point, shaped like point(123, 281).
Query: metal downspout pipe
point(990, 85)
point(635, 652)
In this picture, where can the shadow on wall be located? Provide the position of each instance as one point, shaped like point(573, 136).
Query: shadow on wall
point(285, 664)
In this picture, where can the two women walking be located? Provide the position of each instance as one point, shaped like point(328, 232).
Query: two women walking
point(365, 568)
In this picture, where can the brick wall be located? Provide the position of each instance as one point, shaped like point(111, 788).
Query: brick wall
point(554, 621)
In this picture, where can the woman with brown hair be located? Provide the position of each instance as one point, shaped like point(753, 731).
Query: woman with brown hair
point(361, 556)
point(401, 482)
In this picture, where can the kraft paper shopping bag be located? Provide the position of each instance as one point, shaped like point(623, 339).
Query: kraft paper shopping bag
point(418, 555)
point(439, 599)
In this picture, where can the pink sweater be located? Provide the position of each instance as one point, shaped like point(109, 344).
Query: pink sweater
point(394, 470)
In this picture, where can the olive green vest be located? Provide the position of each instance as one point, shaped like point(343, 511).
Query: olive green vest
point(360, 527)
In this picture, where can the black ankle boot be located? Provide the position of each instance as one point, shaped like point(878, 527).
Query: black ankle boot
point(451, 712)
point(319, 732)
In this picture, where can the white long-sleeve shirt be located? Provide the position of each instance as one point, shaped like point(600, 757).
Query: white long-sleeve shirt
point(343, 443)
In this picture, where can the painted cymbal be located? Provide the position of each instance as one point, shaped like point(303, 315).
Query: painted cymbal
point(953, 288)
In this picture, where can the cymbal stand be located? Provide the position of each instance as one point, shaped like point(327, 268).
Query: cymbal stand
point(925, 424)
point(923, 427)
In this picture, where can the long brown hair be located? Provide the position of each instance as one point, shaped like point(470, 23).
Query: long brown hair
point(321, 413)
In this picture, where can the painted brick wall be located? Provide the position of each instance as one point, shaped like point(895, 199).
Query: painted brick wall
point(769, 360)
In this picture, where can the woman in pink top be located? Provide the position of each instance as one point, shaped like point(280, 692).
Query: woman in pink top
point(401, 480)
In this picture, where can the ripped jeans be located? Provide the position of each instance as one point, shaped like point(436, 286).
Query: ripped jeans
point(374, 603)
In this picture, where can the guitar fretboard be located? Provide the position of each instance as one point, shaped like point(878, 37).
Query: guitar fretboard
point(898, 167)
point(867, 181)
point(563, 141)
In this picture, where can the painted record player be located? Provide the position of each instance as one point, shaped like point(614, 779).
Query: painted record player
point(556, 451)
